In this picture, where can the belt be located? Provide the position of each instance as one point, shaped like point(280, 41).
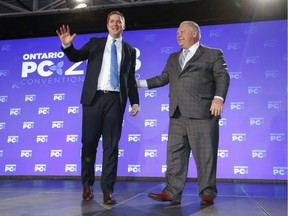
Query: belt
point(106, 92)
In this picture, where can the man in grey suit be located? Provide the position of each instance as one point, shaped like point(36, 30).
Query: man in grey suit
point(103, 99)
point(198, 83)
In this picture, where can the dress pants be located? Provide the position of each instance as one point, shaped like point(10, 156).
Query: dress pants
point(103, 117)
point(200, 136)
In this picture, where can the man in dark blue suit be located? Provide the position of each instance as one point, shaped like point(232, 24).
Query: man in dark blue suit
point(103, 99)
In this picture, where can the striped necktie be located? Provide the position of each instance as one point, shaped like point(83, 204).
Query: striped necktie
point(182, 58)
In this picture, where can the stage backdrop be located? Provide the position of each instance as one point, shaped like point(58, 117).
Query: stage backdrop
point(40, 111)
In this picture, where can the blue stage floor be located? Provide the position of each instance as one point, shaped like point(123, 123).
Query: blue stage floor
point(64, 198)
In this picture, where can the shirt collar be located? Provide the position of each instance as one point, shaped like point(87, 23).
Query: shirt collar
point(193, 48)
point(111, 39)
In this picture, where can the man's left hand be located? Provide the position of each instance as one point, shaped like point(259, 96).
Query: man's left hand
point(216, 107)
point(134, 110)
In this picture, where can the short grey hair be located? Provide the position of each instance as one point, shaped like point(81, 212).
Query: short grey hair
point(194, 26)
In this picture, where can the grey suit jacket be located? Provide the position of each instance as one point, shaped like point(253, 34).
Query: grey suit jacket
point(192, 89)
point(93, 51)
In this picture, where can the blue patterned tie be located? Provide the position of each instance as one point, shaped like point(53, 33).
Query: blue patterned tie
point(114, 67)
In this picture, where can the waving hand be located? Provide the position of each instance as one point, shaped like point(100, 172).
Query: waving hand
point(65, 35)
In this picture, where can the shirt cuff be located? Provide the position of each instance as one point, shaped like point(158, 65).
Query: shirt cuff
point(143, 84)
point(65, 46)
point(219, 97)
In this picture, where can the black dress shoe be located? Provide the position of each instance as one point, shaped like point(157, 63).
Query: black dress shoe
point(160, 197)
point(87, 193)
point(108, 198)
point(207, 200)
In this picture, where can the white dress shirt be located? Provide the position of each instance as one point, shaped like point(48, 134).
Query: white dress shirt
point(191, 52)
point(104, 76)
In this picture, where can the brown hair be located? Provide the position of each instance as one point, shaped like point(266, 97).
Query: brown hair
point(118, 13)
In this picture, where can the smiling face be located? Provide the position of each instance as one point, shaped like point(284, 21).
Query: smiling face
point(115, 24)
point(187, 35)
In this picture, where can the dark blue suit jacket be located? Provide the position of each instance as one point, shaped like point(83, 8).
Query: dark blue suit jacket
point(93, 51)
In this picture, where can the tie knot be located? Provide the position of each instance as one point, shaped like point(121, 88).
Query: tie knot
point(185, 52)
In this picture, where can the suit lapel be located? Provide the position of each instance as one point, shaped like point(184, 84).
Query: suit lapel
point(123, 54)
point(178, 60)
point(199, 52)
point(99, 50)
